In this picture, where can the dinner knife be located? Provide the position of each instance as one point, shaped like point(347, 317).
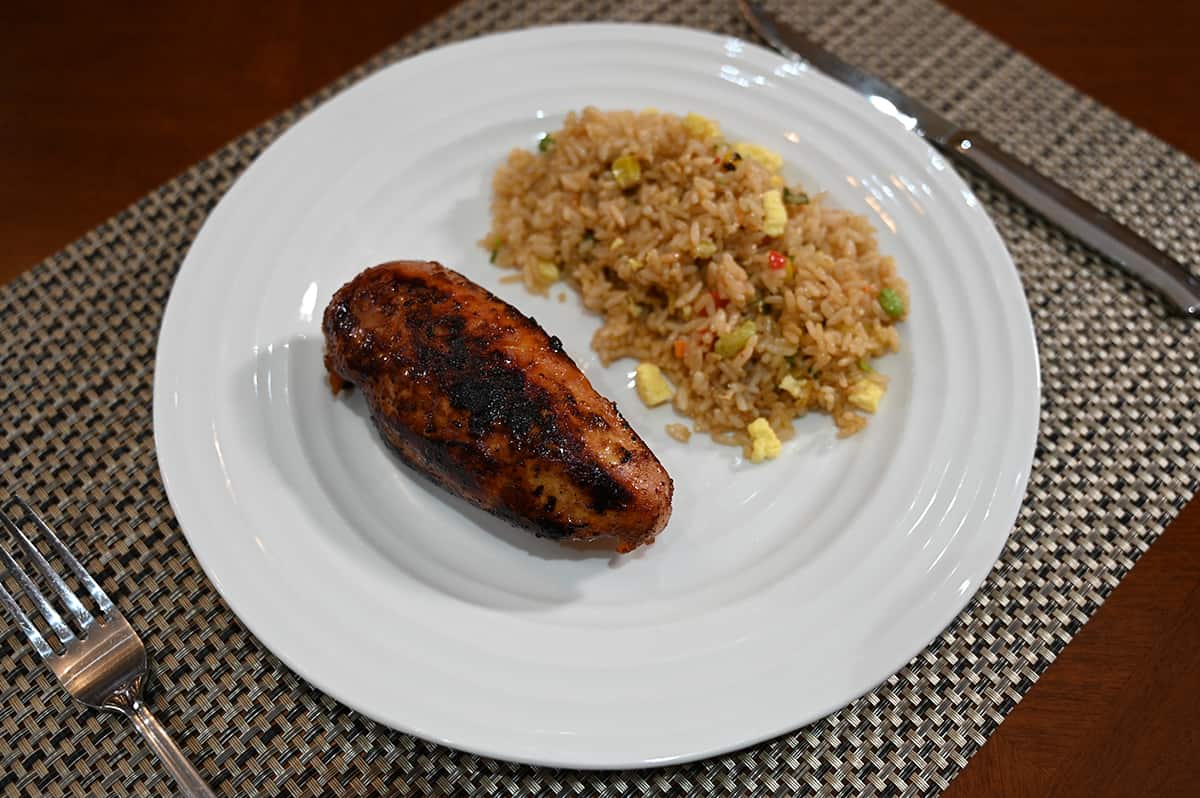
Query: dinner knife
point(1067, 210)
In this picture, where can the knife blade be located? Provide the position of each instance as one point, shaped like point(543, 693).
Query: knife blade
point(1064, 208)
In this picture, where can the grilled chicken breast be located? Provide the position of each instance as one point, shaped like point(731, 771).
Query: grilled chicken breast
point(475, 395)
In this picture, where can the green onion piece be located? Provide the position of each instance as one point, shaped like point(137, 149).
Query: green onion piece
point(864, 366)
point(627, 171)
point(495, 252)
point(891, 302)
point(735, 340)
point(794, 197)
point(545, 143)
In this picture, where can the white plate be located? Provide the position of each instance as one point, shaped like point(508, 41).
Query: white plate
point(777, 594)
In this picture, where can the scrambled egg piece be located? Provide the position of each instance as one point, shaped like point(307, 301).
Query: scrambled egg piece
point(651, 385)
point(797, 388)
point(764, 443)
point(701, 126)
point(768, 158)
point(865, 395)
point(774, 212)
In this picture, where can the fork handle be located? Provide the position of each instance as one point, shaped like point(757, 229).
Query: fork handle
point(189, 780)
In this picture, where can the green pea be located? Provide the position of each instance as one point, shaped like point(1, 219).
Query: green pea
point(891, 302)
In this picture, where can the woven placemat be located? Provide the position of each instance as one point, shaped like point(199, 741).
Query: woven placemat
point(1117, 457)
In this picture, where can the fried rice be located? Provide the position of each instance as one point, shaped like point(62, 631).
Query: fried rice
point(754, 298)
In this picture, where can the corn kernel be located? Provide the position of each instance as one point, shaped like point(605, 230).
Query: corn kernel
point(627, 171)
point(547, 272)
point(651, 385)
point(701, 126)
point(865, 395)
point(768, 158)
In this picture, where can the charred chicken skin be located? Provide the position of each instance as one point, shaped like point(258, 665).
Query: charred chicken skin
point(475, 395)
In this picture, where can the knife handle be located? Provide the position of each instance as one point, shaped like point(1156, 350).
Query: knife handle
point(1080, 218)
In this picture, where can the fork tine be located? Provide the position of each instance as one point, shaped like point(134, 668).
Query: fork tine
point(48, 612)
point(82, 616)
point(85, 579)
point(22, 620)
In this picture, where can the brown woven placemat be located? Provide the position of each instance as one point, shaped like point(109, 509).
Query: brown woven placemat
point(1118, 456)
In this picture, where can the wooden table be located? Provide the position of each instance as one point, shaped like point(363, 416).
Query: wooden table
point(99, 104)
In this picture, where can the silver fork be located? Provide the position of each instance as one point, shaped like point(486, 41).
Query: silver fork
point(102, 662)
